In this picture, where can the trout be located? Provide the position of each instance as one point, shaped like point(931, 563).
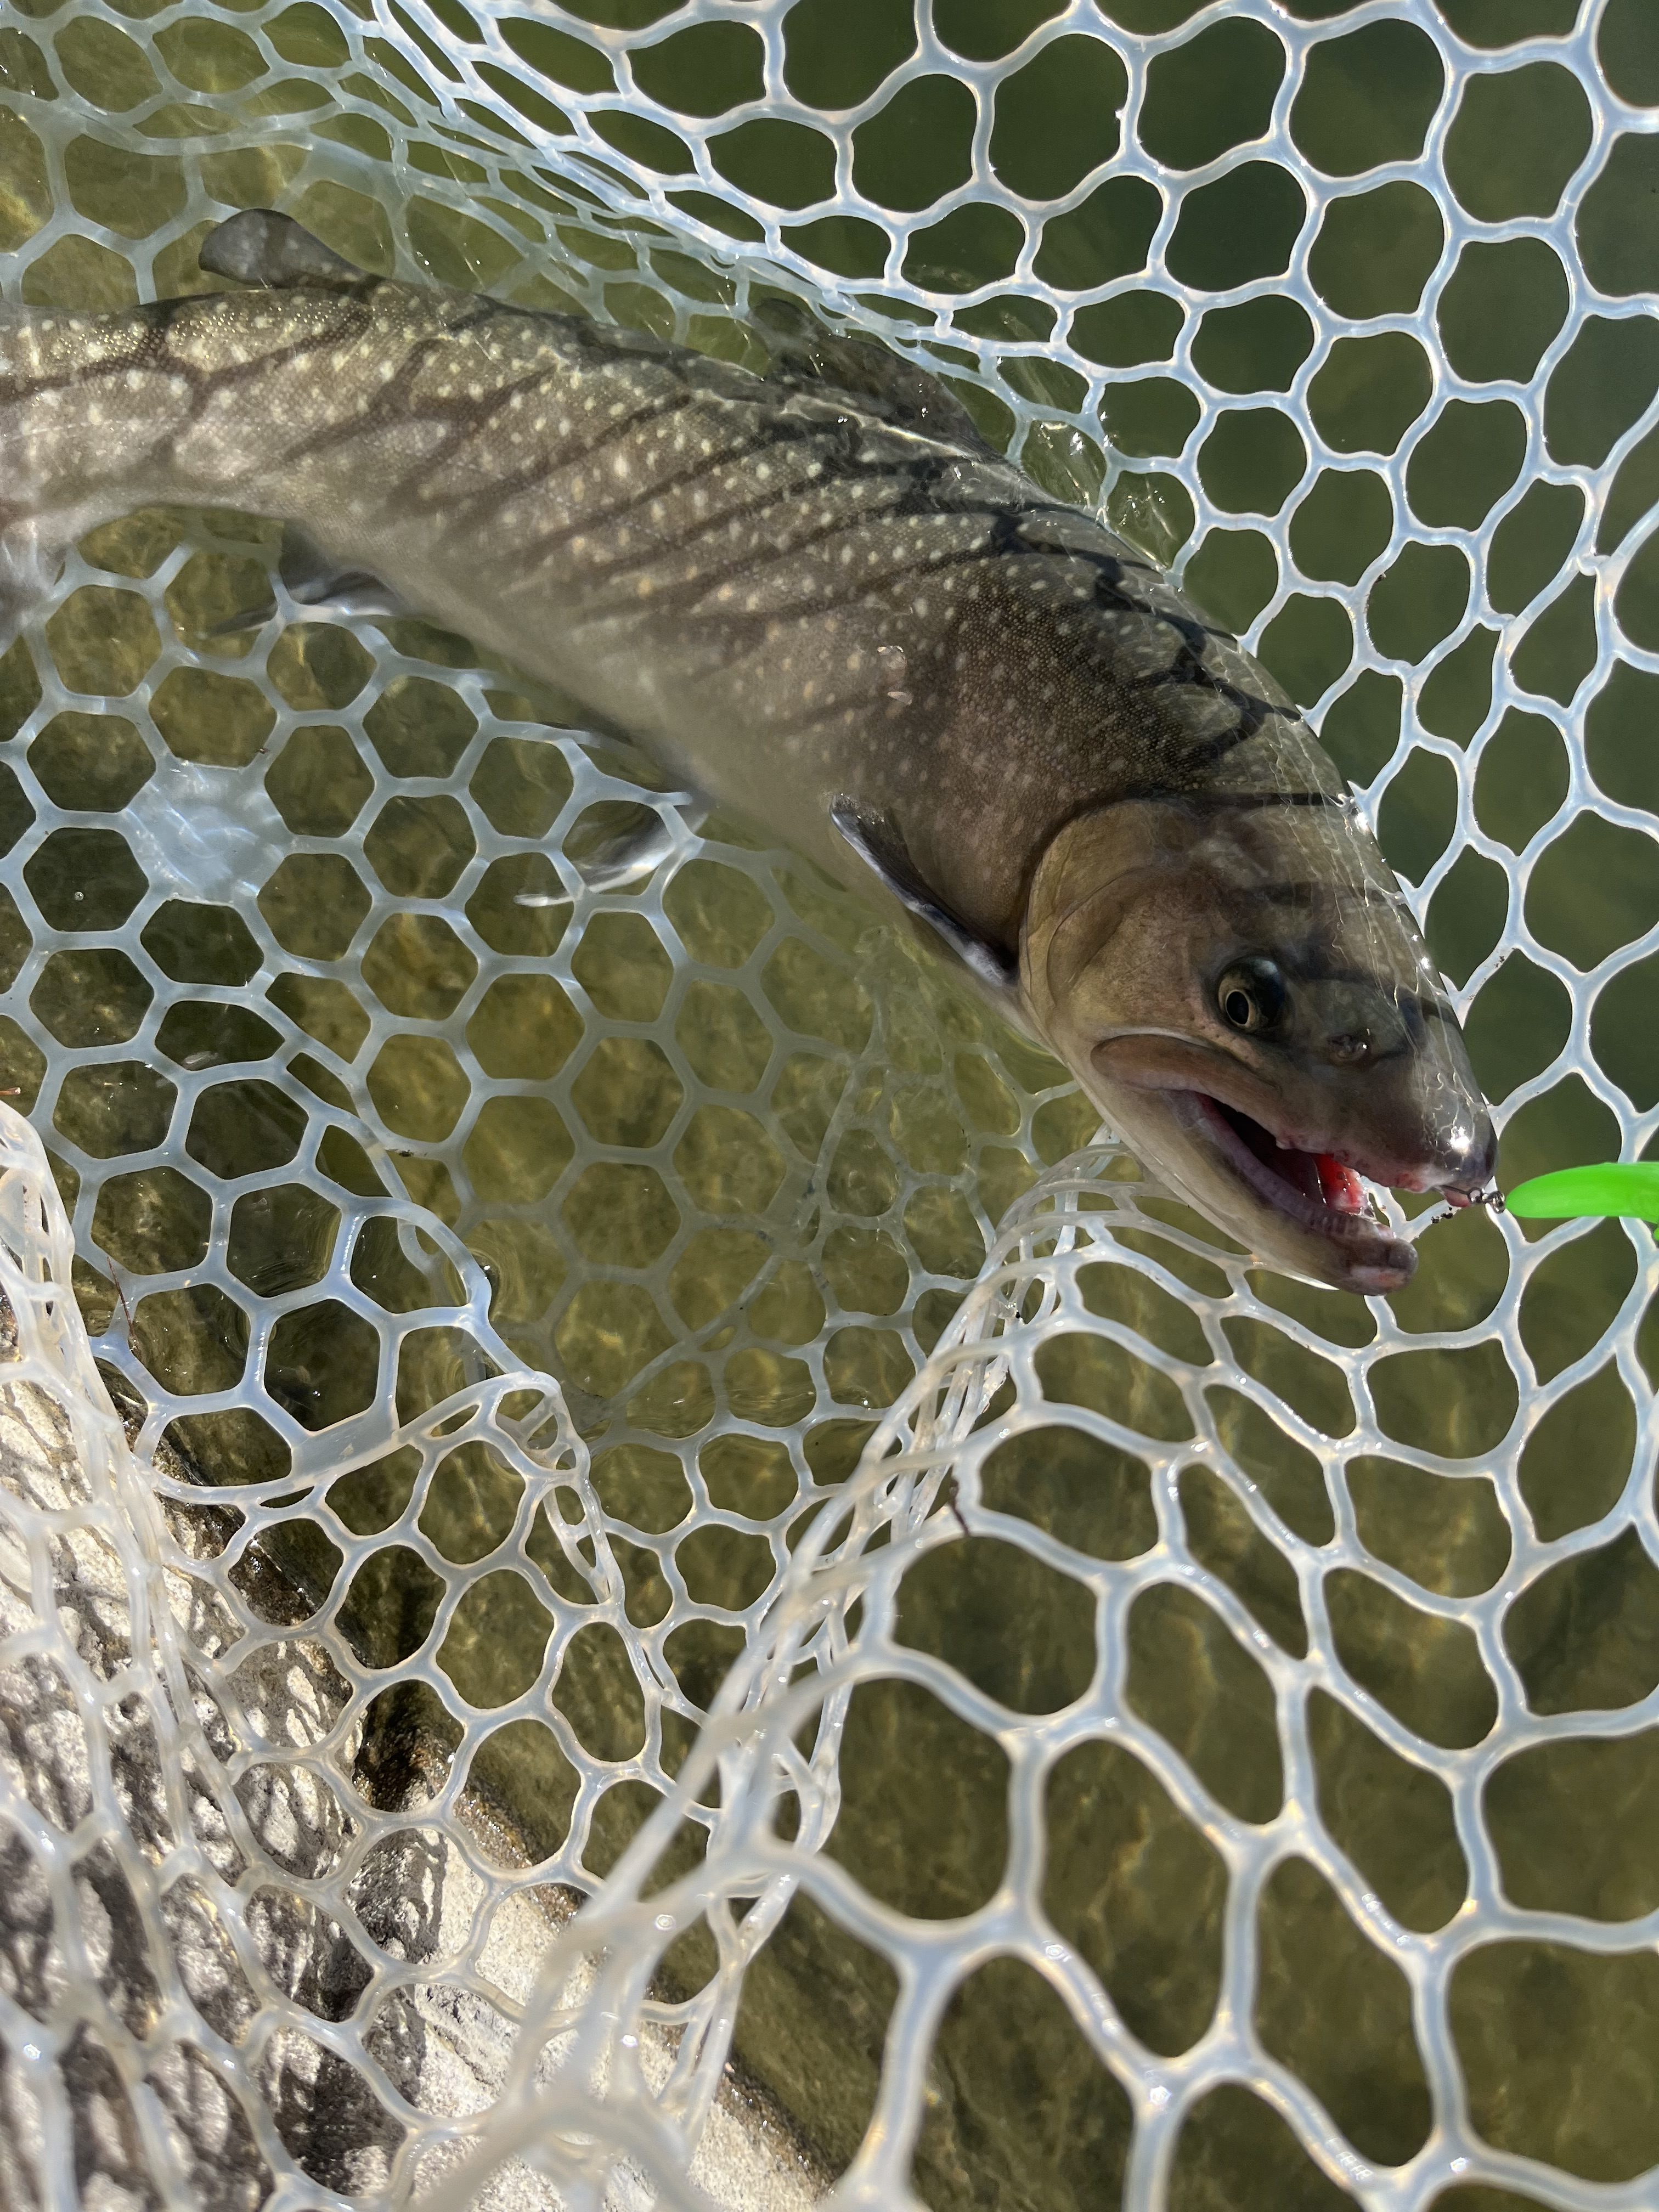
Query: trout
point(820, 597)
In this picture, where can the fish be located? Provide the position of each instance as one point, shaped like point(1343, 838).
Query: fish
point(817, 594)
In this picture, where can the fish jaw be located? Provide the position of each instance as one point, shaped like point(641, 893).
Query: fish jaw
point(1295, 1195)
point(1302, 1209)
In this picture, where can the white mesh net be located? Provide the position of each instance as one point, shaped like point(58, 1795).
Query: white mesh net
point(632, 1393)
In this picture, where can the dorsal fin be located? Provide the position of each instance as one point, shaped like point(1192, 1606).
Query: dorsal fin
point(883, 383)
point(259, 246)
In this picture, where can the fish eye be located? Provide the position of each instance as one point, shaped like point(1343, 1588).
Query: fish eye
point(1251, 995)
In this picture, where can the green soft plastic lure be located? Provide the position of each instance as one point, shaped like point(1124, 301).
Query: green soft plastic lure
point(1629, 1188)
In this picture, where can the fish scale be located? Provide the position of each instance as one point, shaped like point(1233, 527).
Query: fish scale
point(705, 511)
point(819, 597)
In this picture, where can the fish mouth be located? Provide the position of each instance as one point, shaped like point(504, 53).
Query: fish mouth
point(1297, 1197)
point(1314, 1187)
point(1308, 1188)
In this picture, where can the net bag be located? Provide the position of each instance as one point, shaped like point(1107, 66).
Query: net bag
point(635, 1567)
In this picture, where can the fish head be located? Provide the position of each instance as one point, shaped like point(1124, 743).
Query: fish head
point(1239, 988)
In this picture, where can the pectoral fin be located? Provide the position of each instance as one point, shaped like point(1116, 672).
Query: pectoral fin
point(880, 845)
point(632, 846)
point(316, 579)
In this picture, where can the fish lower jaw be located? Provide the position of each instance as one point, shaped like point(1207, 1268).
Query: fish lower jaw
point(1313, 1189)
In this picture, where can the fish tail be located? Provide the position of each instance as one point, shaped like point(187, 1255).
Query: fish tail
point(62, 452)
point(34, 538)
point(90, 404)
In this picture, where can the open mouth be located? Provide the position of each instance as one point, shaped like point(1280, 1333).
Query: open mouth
point(1315, 1188)
point(1313, 1211)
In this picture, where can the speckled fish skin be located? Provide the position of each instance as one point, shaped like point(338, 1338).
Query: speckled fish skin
point(795, 597)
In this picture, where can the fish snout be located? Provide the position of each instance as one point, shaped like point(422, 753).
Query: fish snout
point(1461, 1156)
point(1469, 1168)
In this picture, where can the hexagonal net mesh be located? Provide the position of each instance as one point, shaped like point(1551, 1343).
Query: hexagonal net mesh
point(631, 1394)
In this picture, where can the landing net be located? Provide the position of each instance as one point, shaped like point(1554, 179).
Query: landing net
point(632, 1390)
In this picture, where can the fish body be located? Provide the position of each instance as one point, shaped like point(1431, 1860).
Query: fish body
point(820, 597)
